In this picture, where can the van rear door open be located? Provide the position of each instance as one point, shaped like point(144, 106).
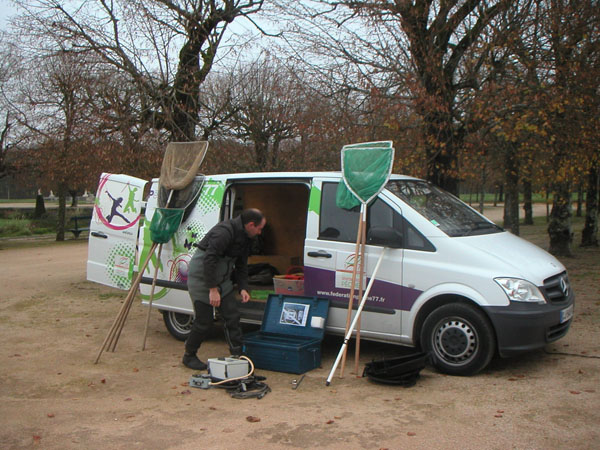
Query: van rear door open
point(114, 230)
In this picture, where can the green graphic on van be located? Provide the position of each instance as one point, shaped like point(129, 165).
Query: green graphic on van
point(194, 232)
point(211, 196)
point(130, 205)
point(314, 201)
point(120, 265)
point(350, 261)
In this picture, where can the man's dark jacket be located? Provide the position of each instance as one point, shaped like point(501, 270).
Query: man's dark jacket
point(222, 250)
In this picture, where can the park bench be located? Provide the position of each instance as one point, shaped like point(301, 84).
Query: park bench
point(77, 230)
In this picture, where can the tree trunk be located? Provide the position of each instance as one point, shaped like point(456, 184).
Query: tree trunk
point(511, 197)
point(481, 198)
point(261, 150)
point(62, 213)
point(441, 152)
point(40, 207)
point(275, 154)
point(511, 207)
point(74, 199)
point(547, 203)
point(589, 234)
point(559, 228)
point(527, 203)
point(482, 189)
point(579, 200)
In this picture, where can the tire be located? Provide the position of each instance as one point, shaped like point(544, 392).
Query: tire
point(178, 324)
point(459, 339)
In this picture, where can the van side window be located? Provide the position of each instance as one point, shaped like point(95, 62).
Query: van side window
point(337, 224)
point(380, 214)
point(414, 240)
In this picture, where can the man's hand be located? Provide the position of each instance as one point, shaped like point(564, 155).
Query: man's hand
point(214, 297)
point(245, 296)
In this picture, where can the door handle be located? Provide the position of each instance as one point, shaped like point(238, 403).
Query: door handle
point(98, 234)
point(319, 254)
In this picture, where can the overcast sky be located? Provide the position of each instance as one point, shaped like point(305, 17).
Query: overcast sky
point(6, 10)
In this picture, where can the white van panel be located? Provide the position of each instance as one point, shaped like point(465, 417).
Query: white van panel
point(114, 229)
point(328, 273)
point(177, 253)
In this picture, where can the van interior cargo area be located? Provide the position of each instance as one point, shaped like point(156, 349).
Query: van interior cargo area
point(281, 244)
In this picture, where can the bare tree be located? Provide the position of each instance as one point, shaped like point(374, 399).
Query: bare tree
point(428, 53)
point(218, 103)
point(8, 62)
point(53, 107)
point(265, 110)
point(122, 129)
point(5, 167)
point(140, 37)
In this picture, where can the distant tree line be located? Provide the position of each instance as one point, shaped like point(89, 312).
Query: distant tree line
point(485, 95)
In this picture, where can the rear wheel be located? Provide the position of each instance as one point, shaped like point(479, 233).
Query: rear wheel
point(459, 338)
point(178, 324)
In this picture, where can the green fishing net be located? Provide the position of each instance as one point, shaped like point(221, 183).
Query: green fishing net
point(366, 169)
point(165, 223)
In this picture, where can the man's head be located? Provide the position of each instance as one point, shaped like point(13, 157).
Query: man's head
point(254, 221)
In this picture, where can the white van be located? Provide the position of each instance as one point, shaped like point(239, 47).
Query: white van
point(452, 282)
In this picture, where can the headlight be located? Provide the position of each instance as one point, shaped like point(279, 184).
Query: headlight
point(518, 290)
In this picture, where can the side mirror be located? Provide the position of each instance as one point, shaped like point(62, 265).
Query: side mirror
point(385, 237)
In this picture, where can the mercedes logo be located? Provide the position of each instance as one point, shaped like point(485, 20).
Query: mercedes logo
point(564, 286)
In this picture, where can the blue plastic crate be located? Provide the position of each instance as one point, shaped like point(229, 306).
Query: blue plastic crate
point(290, 336)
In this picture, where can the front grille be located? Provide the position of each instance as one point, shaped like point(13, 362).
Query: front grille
point(557, 289)
point(557, 331)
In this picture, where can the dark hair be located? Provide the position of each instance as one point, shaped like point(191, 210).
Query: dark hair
point(252, 215)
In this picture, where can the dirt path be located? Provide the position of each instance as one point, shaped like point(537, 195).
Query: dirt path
point(52, 323)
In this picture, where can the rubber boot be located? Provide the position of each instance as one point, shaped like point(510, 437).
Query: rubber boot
point(191, 360)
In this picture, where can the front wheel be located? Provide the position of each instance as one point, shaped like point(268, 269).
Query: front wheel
point(459, 338)
point(178, 324)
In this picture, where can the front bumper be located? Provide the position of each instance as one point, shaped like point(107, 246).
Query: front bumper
point(522, 327)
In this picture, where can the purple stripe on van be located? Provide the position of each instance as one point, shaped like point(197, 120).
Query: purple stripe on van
point(321, 283)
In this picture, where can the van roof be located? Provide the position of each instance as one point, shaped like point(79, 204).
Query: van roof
point(287, 175)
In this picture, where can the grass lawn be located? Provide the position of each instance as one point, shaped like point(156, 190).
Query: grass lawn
point(17, 200)
point(17, 227)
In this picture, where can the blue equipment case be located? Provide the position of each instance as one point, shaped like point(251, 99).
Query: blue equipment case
point(290, 336)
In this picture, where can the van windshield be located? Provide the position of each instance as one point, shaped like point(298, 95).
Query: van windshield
point(442, 209)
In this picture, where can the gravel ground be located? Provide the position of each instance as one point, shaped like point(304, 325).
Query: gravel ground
point(52, 395)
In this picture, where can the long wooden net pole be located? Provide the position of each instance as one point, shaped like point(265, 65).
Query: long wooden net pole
point(352, 287)
point(122, 315)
